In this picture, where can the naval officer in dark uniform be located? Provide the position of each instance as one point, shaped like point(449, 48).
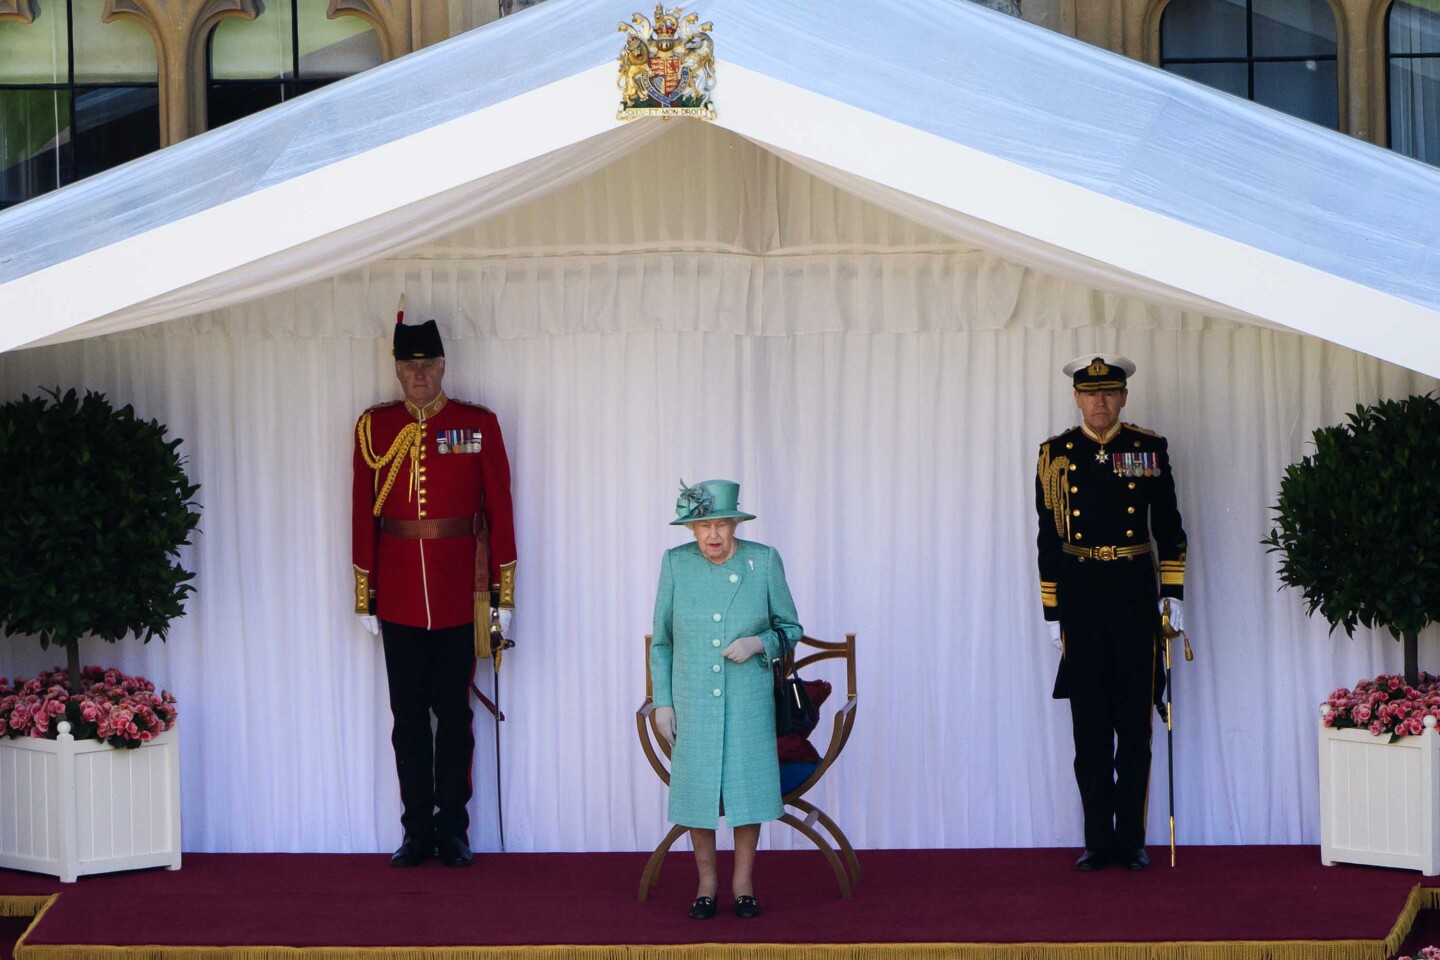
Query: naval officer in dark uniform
point(433, 538)
point(1103, 492)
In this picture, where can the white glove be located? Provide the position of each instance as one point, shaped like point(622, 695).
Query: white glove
point(665, 723)
point(742, 649)
point(506, 615)
point(371, 623)
point(1177, 613)
point(1054, 627)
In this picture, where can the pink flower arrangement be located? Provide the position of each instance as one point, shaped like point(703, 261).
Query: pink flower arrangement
point(123, 711)
point(1426, 953)
point(1386, 705)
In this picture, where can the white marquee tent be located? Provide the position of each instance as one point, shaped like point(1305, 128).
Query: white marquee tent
point(852, 293)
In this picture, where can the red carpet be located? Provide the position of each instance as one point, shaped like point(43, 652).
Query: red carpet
point(1226, 902)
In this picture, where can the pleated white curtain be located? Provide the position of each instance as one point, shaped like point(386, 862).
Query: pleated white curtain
point(879, 390)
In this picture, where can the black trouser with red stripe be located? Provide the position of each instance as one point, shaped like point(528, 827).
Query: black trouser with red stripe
point(429, 671)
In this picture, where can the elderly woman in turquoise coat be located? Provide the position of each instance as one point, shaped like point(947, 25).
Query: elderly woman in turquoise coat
point(723, 616)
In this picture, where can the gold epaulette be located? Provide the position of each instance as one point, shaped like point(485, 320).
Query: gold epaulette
point(1148, 433)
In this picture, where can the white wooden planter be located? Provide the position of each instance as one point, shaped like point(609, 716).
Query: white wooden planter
point(1380, 801)
point(73, 807)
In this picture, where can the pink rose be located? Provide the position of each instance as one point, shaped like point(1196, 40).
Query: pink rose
point(1362, 713)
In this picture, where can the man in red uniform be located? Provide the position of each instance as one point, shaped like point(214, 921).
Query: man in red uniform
point(434, 548)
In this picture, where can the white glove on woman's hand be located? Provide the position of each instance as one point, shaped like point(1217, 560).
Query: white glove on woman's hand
point(1054, 628)
point(665, 723)
point(371, 623)
point(1177, 612)
point(742, 649)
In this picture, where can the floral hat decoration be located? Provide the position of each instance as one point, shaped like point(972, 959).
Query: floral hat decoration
point(711, 500)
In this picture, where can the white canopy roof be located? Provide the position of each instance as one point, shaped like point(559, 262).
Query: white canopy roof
point(1041, 149)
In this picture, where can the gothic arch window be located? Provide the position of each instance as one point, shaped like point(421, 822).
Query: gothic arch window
point(293, 47)
point(1412, 53)
point(1281, 53)
point(77, 96)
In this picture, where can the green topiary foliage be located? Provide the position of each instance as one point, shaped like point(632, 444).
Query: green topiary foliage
point(1358, 521)
point(97, 506)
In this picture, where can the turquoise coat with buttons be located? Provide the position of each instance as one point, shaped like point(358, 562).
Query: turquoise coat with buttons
point(724, 712)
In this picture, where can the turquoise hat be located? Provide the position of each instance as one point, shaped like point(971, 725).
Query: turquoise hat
point(711, 500)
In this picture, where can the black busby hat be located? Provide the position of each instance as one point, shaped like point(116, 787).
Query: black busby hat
point(419, 341)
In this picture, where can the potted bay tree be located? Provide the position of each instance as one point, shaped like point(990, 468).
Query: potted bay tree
point(1357, 528)
point(97, 508)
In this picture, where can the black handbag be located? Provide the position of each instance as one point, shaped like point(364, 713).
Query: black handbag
point(794, 713)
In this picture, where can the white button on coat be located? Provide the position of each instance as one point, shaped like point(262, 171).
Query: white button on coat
point(715, 668)
point(715, 642)
point(715, 617)
point(734, 578)
point(715, 692)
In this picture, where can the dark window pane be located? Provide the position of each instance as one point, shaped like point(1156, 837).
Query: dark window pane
point(1414, 28)
point(1415, 108)
point(1203, 29)
point(114, 125)
point(1292, 28)
point(1306, 89)
point(1230, 77)
point(231, 101)
point(34, 142)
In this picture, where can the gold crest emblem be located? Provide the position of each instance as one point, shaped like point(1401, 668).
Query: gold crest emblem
point(667, 67)
point(1098, 368)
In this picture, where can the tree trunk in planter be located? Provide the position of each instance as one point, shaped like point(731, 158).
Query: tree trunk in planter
point(72, 662)
point(1412, 659)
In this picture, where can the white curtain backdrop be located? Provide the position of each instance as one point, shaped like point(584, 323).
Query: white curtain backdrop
point(879, 390)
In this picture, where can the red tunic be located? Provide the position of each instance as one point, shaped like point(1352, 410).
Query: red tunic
point(452, 464)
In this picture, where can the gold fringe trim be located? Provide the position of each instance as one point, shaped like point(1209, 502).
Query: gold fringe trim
point(23, 906)
point(1179, 950)
point(1427, 898)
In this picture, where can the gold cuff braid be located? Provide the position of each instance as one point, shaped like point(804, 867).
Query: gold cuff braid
point(507, 586)
point(362, 592)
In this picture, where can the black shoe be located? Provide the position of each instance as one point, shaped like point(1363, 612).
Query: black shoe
point(1136, 859)
point(413, 852)
point(703, 908)
point(455, 852)
point(747, 907)
point(1092, 860)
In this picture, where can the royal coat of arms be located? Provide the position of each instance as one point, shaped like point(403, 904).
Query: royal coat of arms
point(667, 67)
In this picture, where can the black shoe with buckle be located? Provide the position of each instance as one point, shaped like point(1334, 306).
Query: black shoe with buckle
point(747, 907)
point(455, 852)
point(703, 908)
point(413, 852)
point(1092, 860)
point(1136, 859)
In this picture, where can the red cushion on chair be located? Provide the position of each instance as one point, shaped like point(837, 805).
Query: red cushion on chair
point(796, 748)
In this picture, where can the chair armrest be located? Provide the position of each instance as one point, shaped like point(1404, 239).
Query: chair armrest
point(839, 735)
point(645, 728)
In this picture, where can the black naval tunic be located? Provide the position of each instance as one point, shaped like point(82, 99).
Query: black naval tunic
point(1099, 505)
